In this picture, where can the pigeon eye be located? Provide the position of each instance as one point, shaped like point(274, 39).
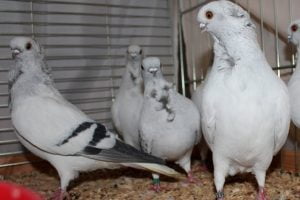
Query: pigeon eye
point(294, 28)
point(28, 46)
point(142, 67)
point(209, 15)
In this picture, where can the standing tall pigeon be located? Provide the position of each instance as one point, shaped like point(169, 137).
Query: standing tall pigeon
point(128, 104)
point(57, 131)
point(294, 83)
point(170, 123)
point(245, 110)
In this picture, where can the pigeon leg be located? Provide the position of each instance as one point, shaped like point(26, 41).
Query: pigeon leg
point(185, 163)
point(155, 183)
point(61, 194)
point(65, 178)
point(156, 186)
point(220, 172)
point(260, 176)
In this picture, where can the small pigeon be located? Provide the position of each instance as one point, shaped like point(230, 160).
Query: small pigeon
point(245, 109)
point(294, 83)
point(57, 131)
point(128, 103)
point(170, 123)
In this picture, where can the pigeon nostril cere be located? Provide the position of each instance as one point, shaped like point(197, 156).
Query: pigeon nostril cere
point(153, 70)
point(133, 55)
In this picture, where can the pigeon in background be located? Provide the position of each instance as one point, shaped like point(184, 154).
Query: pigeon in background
point(245, 110)
point(294, 82)
point(57, 131)
point(128, 104)
point(169, 124)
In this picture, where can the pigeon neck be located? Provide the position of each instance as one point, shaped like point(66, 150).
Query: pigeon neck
point(243, 48)
point(132, 76)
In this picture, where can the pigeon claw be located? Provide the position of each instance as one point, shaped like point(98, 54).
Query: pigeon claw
point(220, 195)
point(261, 194)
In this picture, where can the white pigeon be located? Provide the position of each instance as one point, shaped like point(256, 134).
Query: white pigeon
point(128, 103)
point(57, 131)
point(170, 123)
point(294, 82)
point(245, 110)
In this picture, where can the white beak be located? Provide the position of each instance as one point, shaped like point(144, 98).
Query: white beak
point(153, 69)
point(290, 38)
point(202, 26)
point(15, 52)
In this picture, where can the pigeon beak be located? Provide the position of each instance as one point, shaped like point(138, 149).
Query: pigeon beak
point(15, 52)
point(133, 55)
point(202, 26)
point(290, 38)
point(153, 70)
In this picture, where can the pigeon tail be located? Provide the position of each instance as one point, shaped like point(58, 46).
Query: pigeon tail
point(129, 156)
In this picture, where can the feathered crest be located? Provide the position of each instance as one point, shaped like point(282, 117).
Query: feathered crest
point(234, 10)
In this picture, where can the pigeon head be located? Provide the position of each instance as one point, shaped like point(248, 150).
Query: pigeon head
point(134, 53)
point(134, 59)
point(294, 32)
point(151, 68)
point(24, 46)
point(28, 56)
point(224, 18)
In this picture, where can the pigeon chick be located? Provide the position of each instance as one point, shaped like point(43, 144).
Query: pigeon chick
point(57, 131)
point(294, 82)
point(245, 110)
point(169, 124)
point(128, 103)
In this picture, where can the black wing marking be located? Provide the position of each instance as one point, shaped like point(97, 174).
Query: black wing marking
point(120, 153)
point(99, 133)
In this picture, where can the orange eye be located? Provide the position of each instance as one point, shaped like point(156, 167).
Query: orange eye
point(209, 15)
point(294, 27)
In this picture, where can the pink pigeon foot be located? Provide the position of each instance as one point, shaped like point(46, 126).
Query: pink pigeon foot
point(61, 194)
point(157, 187)
point(261, 194)
point(191, 179)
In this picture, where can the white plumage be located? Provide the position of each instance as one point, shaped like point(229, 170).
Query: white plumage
point(294, 82)
point(128, 103)
point(169, 124)
point(52, 128)
point(245, 110)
